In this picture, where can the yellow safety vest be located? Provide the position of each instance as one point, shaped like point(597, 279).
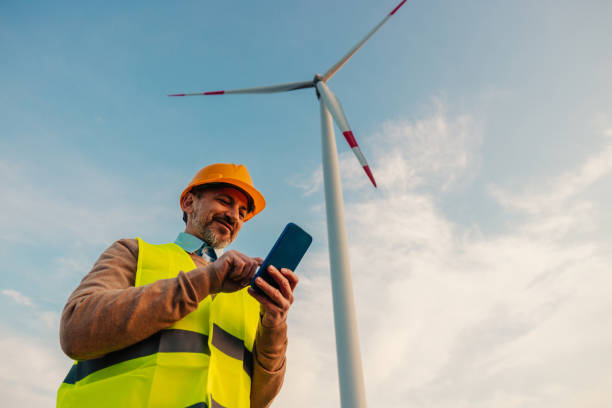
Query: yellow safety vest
point(203, 360)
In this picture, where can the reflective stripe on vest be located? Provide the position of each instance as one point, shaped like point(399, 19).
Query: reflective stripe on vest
point(165, 341)
point(207, 353)
point(214, 404)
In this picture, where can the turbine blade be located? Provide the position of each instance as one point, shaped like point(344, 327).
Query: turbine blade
point(293, 86)
point(333, 104)
point(353, 50)
point(335, 108)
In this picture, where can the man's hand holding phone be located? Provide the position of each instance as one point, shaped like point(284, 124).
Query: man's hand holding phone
point(275, 302)
point(275, 281)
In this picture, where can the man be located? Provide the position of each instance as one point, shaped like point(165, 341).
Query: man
point(175, 325)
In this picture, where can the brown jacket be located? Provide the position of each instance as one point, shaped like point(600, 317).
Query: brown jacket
point(107, 313)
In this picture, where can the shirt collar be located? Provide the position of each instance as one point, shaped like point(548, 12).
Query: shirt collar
point(191, 243)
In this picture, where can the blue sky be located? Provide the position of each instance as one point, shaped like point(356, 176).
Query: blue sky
point(488, 126)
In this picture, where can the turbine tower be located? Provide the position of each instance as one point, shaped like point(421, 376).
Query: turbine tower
point(350, 372)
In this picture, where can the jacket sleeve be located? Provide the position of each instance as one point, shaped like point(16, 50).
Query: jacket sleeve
point(107, 313)
point(269, 365)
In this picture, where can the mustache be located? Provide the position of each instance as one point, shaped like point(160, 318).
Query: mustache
point(226, 220)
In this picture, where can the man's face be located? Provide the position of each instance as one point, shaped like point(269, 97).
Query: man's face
point(216, 215)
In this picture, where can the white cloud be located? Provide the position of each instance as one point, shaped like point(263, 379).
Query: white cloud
point(453, 317)
point(50, 320)
point(555, 196)
point(310, 184)
point(76, 265)
point(32, 316)
point(31, 371)
point(438, 153)
point(17, 297)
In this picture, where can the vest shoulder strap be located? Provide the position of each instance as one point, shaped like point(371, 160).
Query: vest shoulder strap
point(163, 261)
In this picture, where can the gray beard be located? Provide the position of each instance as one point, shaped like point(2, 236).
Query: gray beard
point(213, 240)
point(209, 236)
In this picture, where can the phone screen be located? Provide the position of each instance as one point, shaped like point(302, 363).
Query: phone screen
point(287, 252)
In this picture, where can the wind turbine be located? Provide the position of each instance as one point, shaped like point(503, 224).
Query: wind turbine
point(350, 373)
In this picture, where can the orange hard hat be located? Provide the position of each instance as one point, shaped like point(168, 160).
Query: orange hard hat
point(235, 175)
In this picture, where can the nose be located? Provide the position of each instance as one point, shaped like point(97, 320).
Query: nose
point(233, 213)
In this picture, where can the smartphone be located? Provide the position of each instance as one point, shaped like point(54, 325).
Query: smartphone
point(287, 252)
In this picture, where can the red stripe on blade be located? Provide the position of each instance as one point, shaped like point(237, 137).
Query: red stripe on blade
point(397, 8)
point(348, 135)
point(177, 95)
point(214, 93)
point(369, 173)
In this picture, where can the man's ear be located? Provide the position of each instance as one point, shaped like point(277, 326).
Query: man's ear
point(187, 203)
